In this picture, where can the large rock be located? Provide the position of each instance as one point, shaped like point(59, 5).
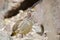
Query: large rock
point(48, 13)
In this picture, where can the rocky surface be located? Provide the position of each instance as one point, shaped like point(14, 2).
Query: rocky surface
point(5, 36)
point(45, 15)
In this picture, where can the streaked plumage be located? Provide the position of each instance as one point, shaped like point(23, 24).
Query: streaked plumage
point(23, 27)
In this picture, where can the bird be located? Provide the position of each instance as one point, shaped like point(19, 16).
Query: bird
point(23, 27)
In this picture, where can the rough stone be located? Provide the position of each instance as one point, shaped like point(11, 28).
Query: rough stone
point(4, 36)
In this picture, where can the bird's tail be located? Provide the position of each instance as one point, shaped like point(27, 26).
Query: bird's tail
point(13, 34)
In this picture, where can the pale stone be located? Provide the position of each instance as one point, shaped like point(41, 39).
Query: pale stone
point(4, 36)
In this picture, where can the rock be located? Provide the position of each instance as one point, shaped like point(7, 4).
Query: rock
point(3, 5)
point(4, 36)
point(38, 28)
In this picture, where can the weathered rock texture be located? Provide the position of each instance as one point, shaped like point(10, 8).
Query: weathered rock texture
point(47, 13)
point(4, 36)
